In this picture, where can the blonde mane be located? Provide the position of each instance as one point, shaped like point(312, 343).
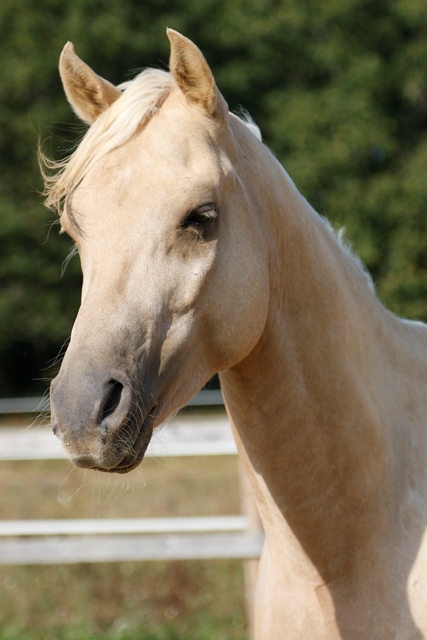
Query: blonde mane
point(140, 100)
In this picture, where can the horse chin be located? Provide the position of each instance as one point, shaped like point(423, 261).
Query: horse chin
point(139, 448)
point(125, 466)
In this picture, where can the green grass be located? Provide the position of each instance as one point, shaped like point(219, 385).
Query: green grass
point(198, 630)
point(191, 600)
point(122, 601)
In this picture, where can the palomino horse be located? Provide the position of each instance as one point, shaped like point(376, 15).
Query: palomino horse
point(200, 255)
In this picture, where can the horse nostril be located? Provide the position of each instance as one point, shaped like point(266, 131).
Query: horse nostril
point(112, 399)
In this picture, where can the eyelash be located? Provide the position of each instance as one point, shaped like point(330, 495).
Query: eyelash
point(200, 218)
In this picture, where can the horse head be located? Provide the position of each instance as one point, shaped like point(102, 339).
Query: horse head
point(175, 275)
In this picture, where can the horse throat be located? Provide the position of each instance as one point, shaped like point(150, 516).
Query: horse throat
point(315, 446)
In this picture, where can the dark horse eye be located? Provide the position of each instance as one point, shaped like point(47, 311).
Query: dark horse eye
point(200, 218)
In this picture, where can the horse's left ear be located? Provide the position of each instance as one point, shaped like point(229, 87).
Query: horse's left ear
point(192, 74)
point(88, 93)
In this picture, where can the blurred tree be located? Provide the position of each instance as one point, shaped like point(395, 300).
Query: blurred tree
point(339, 89)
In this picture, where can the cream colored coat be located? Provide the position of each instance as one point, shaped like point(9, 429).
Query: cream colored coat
point(200, 255)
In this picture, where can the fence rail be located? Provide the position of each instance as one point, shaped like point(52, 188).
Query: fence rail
point(68, 541)
point(95, 540)
point(206, 397)
point(207, 546)
point(186, 435)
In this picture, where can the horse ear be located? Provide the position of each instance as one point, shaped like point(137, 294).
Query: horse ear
point(88, 93)
point(192, 74)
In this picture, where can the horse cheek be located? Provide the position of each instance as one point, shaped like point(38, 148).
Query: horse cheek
point(233, 325)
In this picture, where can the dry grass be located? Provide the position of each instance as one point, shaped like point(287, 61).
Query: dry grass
point(126, 601)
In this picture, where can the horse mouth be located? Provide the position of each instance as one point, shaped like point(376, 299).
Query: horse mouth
point(134, 457)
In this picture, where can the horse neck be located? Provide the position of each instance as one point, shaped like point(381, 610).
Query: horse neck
point(314, 446)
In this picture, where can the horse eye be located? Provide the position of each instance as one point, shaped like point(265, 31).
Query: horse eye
point(200, 218)
point(197, 219)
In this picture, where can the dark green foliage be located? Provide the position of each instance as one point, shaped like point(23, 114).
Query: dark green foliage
point(339, 89)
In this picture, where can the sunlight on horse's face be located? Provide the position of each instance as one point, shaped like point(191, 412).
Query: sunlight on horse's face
point(172, 267)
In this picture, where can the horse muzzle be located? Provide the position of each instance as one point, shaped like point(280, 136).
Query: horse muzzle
point(101, 420)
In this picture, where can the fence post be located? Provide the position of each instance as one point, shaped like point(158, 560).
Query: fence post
point(250, 510)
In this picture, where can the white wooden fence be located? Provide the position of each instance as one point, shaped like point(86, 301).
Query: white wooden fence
point(133, 539)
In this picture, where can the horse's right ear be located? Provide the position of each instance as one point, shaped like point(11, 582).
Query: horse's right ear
point(88, 93)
